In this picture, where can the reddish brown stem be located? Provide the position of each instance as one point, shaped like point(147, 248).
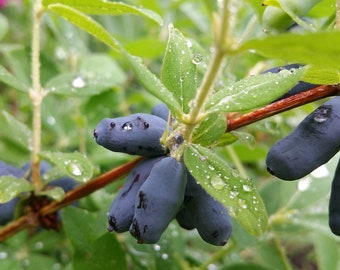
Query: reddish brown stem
point(286, 104)
point(89, 187)
point(14, 227)
point(31, 219)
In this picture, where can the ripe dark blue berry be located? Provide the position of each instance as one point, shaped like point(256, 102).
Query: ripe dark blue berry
point(161, 110)
point(334, 203)
point(158, 200)
point(311, 144)
point(7, 209)
point(123, 206)
point(137, 134)
point(206, 214)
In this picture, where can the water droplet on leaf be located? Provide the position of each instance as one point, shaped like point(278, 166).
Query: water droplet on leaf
point(197, 58)
point(211, 167)
point(217, 183)
point(78, 82)
point(247, 188)
point(74, 169)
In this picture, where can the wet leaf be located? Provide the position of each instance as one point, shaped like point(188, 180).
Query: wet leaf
point(246, 138)
point(99, 7)
point(10, 187)
point(179, 68)
point(238, 194)
point(55, 193)
point(254, 91)
point(96, 73)
point(143, 74)
point(210, 130)
point(152, 84)
point(84, 22)
point(226, 139)
point(74, 164)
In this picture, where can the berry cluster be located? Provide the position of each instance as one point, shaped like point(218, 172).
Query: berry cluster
point(160, 188)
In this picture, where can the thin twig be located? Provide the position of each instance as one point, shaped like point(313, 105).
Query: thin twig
point(286, 104)
point(14, 227)
point(36, 93)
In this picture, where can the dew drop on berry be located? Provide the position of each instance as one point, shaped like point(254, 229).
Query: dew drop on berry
point(127, 126)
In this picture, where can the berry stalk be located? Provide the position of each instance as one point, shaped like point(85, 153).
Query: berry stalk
point(36, 93)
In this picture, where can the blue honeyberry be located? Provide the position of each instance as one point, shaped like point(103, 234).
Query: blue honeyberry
point(314, 142)
point(136, 134)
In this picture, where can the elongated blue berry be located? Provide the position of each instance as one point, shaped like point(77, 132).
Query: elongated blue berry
point(158, 200)
point(205, 213)
point(334, 203)
point(314, 141)
point(136, 134)
point(123, 206)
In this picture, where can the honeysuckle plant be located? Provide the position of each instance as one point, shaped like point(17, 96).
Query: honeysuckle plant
point(208, 102)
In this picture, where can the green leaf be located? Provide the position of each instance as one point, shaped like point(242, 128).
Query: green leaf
point(274, 3)
point(326, 260)
point(226, 139)
point(246, 138)
point(179, 70)
point(84, 22)
point(76, 165)
point(151, 48)
point(55, 193)
point(280, 15)
point(152, 84)
point(253, 91)
point(296, 221)
point(146, 78)
point(269, 253)
point(3, 26)
point(10, 80)
point(97, 73)
point(312, 188)
point(95, 248)
point(239, 195)
point(210, 130)
point(82, 227)
point(321, 49)
point(18, 130)
point(99, 7)
point(318, 75)
point(105, 253)
point(10, 187)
